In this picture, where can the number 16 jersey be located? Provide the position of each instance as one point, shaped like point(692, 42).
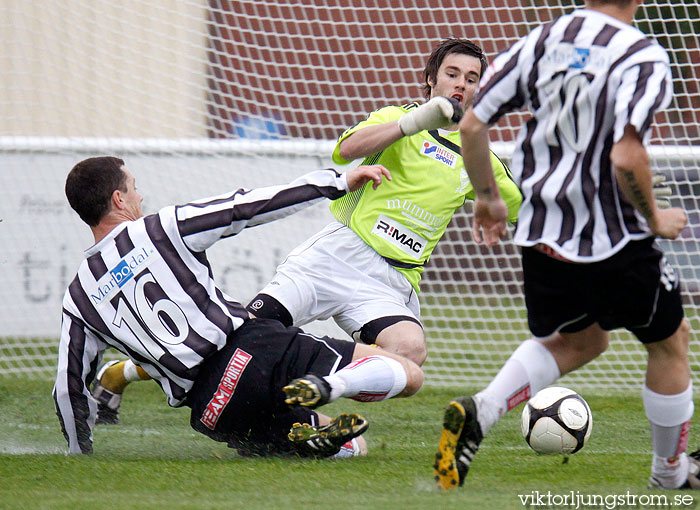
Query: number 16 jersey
point(147, 289)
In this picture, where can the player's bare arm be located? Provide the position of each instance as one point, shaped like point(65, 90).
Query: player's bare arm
point(633, 172)
point(490, 211)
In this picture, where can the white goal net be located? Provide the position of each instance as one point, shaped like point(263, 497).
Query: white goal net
point(202, 96)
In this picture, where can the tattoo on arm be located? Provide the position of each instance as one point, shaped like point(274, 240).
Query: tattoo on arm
point(642, 204)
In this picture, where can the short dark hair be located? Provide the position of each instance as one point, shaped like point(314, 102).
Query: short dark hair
point(90, 184)
point(447, 47)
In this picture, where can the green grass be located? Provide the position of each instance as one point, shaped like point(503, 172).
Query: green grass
point(154, 460)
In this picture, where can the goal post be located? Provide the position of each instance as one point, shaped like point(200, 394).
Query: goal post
point(203, 96)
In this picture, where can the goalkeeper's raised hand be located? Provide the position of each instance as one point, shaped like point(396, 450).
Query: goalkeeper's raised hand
point(436, 113)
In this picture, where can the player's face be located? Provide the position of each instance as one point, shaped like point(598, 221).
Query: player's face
point(132, 198)
point(457, 77)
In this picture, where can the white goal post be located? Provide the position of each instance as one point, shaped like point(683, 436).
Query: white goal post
point(202, 96)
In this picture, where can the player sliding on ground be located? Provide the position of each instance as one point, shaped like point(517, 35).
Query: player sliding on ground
point(364, 270)
point(586, 227)
point(146, 289)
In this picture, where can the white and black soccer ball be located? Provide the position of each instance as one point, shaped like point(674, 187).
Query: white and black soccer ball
point(557, 420)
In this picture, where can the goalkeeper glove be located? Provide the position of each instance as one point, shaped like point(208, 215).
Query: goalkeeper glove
point(436, 113)
point(661, 191)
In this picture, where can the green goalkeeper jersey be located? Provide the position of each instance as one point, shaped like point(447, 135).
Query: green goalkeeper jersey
point(403, 219)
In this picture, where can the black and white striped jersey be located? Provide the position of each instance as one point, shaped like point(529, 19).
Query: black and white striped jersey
point(584, 76)
point(148, 290)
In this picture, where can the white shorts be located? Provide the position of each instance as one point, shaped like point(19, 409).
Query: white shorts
point(336, 274)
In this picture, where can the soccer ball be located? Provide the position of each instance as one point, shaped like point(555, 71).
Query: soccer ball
point(557, 420)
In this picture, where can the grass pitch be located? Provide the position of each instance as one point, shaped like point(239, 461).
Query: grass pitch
point(155, 461)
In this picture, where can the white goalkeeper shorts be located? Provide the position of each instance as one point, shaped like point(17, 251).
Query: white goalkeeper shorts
point(336, 274)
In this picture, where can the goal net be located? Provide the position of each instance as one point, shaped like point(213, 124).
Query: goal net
point(200, 97)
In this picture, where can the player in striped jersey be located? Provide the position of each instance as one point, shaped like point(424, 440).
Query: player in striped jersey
point(587, 225)
point(146, 288)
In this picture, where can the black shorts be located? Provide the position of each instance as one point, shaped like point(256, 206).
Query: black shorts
point(635, 289)
point(238, 398)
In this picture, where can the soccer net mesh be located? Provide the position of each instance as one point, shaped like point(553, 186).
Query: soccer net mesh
point(200, 97)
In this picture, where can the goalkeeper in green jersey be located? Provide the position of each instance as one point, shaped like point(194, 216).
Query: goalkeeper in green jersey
point(364, 269)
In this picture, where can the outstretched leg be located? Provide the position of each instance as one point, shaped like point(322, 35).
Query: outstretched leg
point(373, 375)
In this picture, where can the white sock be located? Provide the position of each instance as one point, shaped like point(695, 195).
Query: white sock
point(350, 449)
point(130, 372)
point(671, 474)
point(368, 379)
point(529, 369)
point(669, 418)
